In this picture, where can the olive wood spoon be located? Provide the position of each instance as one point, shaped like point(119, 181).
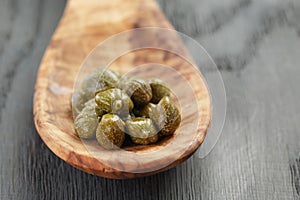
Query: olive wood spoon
point(86, 23)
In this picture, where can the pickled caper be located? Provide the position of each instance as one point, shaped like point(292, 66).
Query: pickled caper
point(128, 116)
point(101, 79)
point(166, 116)
point(77, 102)
point(139, 91)
point(141, 130)
point(113, 101)
point(159, 90)
point(105, 100)
point(110, 131)
point(86, 122)
point(145, 111)
point(99, 112)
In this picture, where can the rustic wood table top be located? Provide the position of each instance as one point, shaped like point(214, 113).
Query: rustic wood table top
point(256, 46)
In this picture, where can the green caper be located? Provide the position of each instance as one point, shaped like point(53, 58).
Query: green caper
point(145, 111)
point(139, 91)
point(101, 79)
point(99, 112)
point(86, 121)
point(166, 116)
point(122, 81)
point(113, 101)
point(159, 90)
point(106, 99)
point(77, 102)
point(128, 116)
point(141, 130)
point(110, 131)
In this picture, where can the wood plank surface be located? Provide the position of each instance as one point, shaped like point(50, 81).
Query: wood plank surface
point(255, 44)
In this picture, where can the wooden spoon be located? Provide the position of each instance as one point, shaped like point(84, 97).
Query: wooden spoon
point(85, 24)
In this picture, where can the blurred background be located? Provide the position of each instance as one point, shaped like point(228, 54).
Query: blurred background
point(256, 46)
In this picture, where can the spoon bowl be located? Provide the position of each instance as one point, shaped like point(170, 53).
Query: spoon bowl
point(84, 25)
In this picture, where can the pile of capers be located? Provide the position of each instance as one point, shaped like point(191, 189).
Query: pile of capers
point(110, 108)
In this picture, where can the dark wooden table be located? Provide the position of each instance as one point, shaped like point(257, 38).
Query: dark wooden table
point(256, 45)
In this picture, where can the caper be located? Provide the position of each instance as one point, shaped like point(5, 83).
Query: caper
point(139, 91)
point(106, 99)
point(110, 131)
point(77, 102)
point(101, 79)
point(166, 116)
point(122, 82)
point(145, 111)
point(99, 112)
point(86, 121)
point(143, 141)
point(141, 130)
point(159, 90)
point(128, 116)
point(114, 101)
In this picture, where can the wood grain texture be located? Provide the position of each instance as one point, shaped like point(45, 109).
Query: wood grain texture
point(79, 31)
point(257, 155)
